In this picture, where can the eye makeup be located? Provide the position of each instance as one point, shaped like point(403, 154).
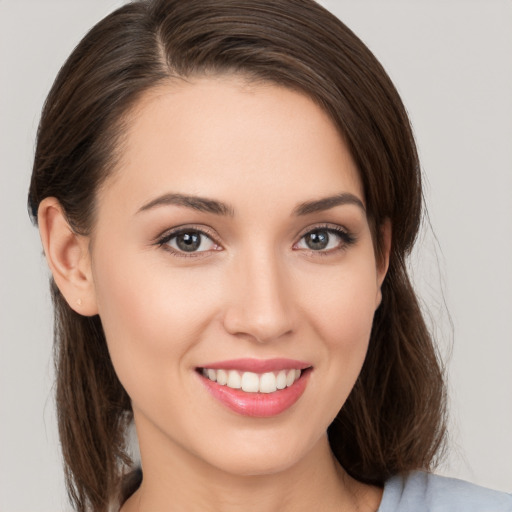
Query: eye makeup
point(194, 241)
point(185, 241)
point(319, 239)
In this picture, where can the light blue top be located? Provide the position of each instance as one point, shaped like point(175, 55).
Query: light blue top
point(424, 492)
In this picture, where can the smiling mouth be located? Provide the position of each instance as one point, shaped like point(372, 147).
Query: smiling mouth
point(251, 382)
point(255, 388)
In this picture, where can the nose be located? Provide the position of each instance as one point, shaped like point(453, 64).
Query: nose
point(260, 301)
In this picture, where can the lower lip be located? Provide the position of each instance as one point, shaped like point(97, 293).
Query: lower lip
point(259, 405)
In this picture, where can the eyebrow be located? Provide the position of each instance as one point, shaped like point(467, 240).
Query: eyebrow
point(201, 204)
point(207, 205)
point(327, 203)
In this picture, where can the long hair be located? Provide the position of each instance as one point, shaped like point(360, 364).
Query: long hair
point(394, 419)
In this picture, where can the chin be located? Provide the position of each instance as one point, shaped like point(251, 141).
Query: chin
point(245, 466)
point(269, 455)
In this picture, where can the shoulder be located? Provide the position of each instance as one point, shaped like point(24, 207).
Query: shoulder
point(424, 492)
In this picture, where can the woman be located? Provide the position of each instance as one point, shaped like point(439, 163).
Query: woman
point(227, 193)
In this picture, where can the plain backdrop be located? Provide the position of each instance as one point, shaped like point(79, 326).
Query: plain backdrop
point(452, 62)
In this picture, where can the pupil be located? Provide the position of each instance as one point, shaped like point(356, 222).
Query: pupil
point(317, 240)
point(188, 241)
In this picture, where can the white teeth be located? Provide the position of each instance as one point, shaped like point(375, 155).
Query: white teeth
point(234, 380)
point(290, 378)
point(222, 377)
point(251, 382)
point(281, 380)
point(268, 383)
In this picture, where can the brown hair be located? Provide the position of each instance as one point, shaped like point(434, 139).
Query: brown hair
point(394, 419)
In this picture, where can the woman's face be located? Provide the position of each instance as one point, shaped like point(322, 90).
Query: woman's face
point(233, 238)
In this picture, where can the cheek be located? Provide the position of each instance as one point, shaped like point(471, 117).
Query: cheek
point(342, 304)
point(150, 315)
point(341, 312)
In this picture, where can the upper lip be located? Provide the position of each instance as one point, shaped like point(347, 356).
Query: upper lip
point(258, 365)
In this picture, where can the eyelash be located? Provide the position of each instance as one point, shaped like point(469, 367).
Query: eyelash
point(347, 239)
point(166, 238)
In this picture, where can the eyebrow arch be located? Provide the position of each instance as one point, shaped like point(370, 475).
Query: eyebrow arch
point(327, 203)
point(201, 204)
point(204, 204)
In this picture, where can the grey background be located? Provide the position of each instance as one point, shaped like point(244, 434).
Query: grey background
point(452, 62)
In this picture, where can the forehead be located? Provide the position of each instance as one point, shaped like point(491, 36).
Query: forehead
point(228, 137)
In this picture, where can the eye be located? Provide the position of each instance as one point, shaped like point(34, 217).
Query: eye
point(325, 239)
point(188, 241)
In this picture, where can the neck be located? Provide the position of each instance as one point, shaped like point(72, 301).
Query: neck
point(176, 480)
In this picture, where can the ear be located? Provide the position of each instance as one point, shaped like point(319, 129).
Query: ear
point(385, 236)
point(67, 254)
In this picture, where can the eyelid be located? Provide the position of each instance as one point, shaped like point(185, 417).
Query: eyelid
point(163, 239)
point(327, 226)
point(346, 236)
point(176, 230)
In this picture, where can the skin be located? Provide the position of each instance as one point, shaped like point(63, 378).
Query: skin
point(254, 289)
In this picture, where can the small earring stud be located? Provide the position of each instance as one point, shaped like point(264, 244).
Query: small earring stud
point(79, 302)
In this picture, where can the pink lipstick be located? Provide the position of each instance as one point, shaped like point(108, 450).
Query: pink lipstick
point(254, 387)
